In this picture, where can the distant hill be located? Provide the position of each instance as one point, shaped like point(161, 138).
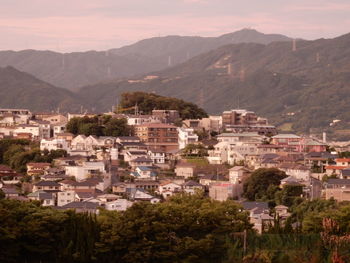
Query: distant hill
point(177, 49)
point(73, 70)
point(21, 90)
point(308, 87)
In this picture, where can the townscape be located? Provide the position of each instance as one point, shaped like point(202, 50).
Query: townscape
point(158, 155)
point(187, 131)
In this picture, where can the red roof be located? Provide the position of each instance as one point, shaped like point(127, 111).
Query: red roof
point(342, 160)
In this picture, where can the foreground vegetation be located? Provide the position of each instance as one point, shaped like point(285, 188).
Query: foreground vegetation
point(183, 229)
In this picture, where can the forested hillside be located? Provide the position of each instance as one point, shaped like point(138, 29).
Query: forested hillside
point(76, 69)
point(306, 87)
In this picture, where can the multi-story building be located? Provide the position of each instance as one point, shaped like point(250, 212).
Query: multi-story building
point(186, 136)
point(239, 120)
point(21, 116)
point(167, 116)
point(158, 136)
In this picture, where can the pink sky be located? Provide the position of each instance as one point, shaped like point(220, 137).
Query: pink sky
point(80, 25)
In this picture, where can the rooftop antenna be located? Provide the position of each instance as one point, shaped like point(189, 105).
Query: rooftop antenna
point(81, 109)
point(294, 48)
point(136, 109)
point(169, 61)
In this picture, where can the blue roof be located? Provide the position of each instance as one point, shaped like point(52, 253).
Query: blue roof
point(145, 168)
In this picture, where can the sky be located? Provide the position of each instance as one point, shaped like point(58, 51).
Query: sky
point(80, 25)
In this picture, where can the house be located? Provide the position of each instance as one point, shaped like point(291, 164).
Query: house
point(54, 144)
point(37, 169)
point(118, 205)
point(44, 128)
point(339, 189)
point(185, 170)
point(82, 207)
point(300, 172)
point(33, 130)
point(168, 189)
point(206, 180)
point(48, 186)
point(46, 198)
point(186, 136)
point(222, 191)
point(21, 116)
point(136, 194)
point(140, 161)
point(236, 174)
point(85, 170)
point(290, 140)
point(157, 156)
point(144, 172)
point(65, 197)
point(191, 187)
point(8, 175)
point(232, 138)
point(258, 215)
point(9, 192)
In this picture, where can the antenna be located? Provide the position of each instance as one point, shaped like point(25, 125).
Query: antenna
point(294, 48)
point(109, 71)
point(318, 57)
point(188, 55)
point(169, 61)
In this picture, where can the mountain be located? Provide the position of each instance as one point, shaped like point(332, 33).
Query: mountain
point(174, 50)
point(306, 87)
point(73, 70)
point(21, 90)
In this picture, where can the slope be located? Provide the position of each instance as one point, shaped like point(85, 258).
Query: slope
point(73, 70)
point(21, 90)
point(308, 87)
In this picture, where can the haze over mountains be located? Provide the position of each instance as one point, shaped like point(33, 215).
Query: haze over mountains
point(73, 70)
point(307, 86)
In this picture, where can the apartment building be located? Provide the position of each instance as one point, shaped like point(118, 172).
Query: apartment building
point(158, 136)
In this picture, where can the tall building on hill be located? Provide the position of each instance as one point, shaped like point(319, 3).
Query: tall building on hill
point(240, 120)
point(158, 136)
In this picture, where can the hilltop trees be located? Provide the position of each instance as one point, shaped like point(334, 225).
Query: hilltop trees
point(146, 102)
point(99, 125)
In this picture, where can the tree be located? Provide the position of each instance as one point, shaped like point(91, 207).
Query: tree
point(262, 180)
point(99, 125)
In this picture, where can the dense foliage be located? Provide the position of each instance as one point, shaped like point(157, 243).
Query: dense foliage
point(17, 153)
point(184, 229)
point(103, 125)
point(263, 184)
point(146, 102)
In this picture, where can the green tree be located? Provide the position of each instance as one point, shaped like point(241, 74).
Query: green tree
point(263, 182)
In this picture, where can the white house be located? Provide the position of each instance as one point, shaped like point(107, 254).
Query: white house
point(186, 136)
point(236, 174)
point(53, 144)
point(168, 189)
point(88, 168)
point(118, 205)
point(65, 197)
point(34, 130)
